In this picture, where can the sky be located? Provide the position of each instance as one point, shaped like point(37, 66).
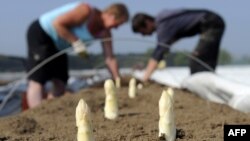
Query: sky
point(16, 15)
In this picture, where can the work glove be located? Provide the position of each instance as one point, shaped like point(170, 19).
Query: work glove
point(80, 49)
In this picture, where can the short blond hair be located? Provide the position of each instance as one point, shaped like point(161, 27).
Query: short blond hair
point(119, 10)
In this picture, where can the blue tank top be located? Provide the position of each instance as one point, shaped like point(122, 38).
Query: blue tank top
point(46, 22)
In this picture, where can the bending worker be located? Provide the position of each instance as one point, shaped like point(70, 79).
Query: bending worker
point(172, 25)
point(63, 27)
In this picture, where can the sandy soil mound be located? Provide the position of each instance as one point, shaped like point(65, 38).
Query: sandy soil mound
point(54, 120)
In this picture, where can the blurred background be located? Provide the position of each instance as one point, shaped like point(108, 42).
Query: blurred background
point(16, 16)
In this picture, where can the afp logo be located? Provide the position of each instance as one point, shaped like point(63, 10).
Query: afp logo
point(237, 132)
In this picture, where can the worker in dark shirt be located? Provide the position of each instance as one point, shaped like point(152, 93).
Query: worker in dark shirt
point(172, 25)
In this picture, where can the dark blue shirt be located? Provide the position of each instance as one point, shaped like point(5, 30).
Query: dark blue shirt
point(172, 25)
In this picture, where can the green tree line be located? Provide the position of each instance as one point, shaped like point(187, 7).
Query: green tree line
point(179, 58)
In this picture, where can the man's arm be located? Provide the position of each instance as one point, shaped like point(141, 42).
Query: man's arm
point(152, 64)
point(70, 19)
point(110, 59)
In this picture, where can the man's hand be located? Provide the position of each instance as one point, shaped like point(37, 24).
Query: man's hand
point(143, 84)
point(80, 48)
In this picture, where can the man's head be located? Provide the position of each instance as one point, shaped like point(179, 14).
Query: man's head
point(143, 23)
point(115, 15)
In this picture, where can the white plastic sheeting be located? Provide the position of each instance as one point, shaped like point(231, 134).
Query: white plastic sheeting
point(218, 89)
point(171, 76)
point(230, 85)
point(11, 94)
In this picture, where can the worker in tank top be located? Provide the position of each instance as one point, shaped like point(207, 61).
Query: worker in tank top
point(71, 25)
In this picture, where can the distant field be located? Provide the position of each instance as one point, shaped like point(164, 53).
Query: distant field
point(239, 73)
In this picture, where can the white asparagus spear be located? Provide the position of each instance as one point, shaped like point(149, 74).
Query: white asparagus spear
point(139, 86)
point(111, 104)
point(83, 122)
point(167, 128)
point(118, 82)
point(132, 88)
point(170, 91)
